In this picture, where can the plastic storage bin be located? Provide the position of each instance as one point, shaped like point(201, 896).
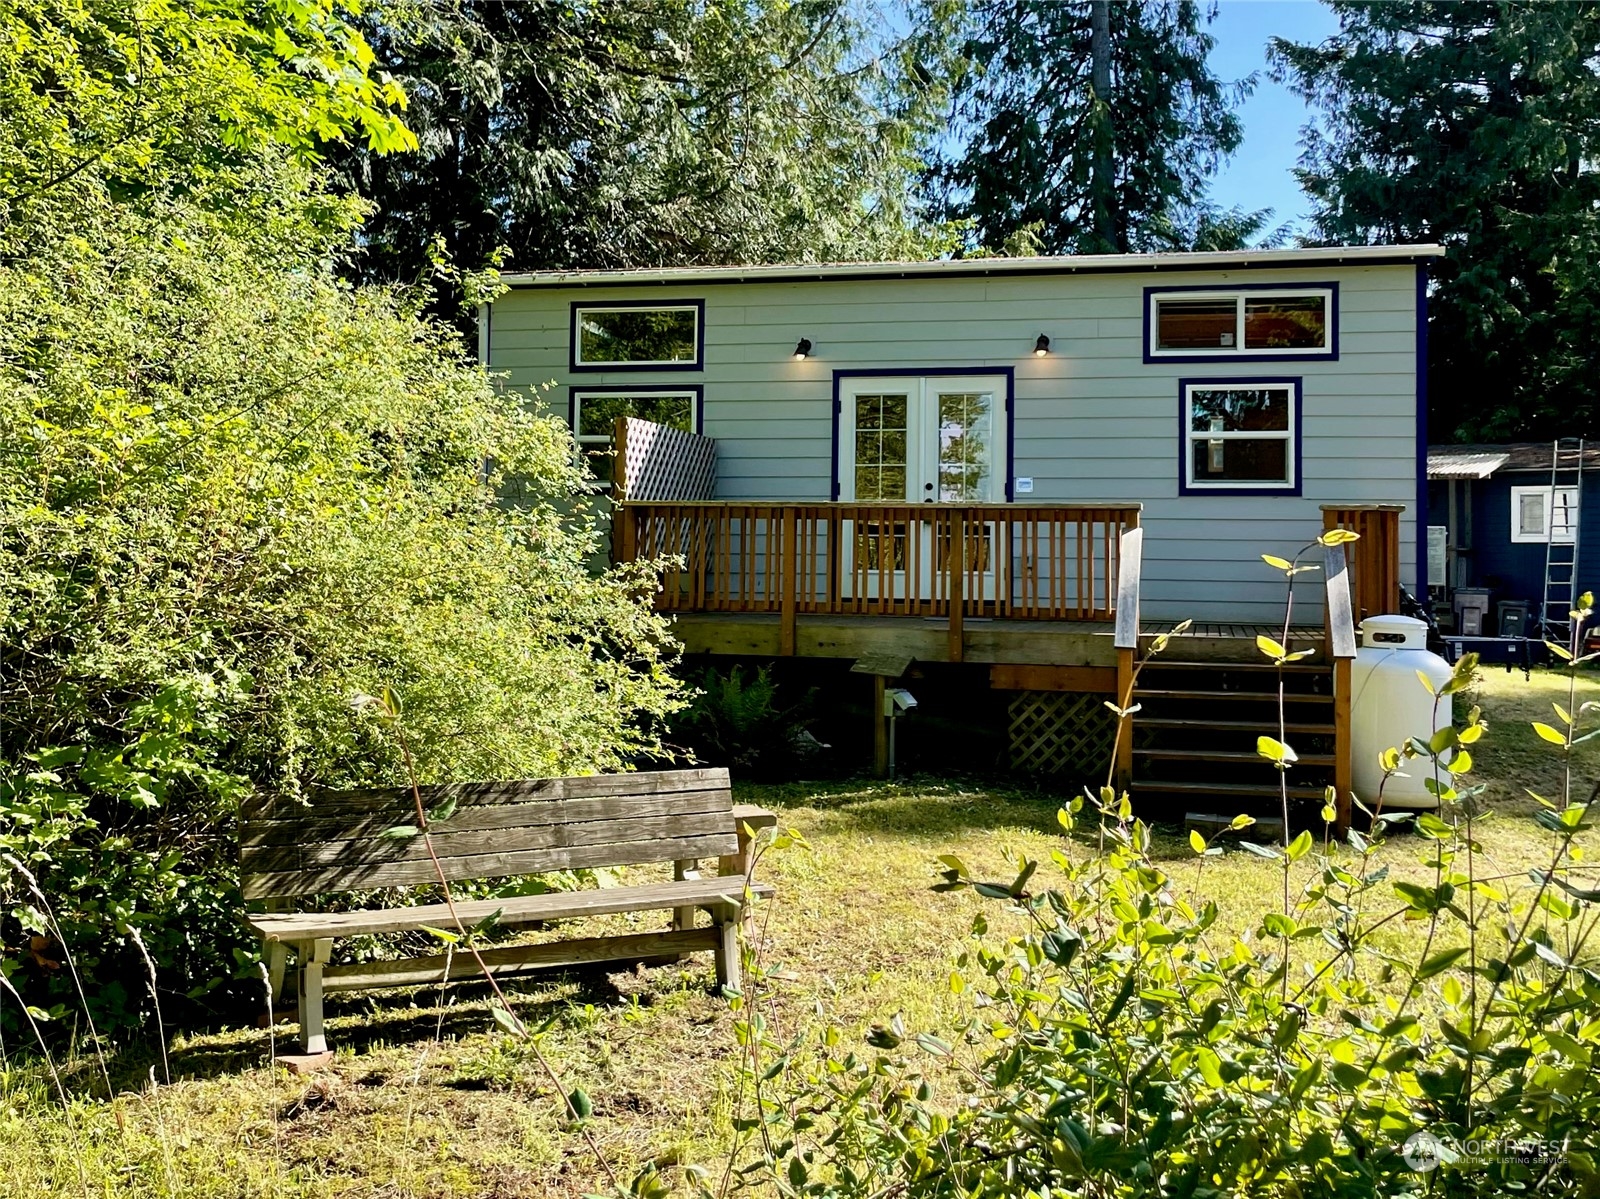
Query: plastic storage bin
point(1472, 609)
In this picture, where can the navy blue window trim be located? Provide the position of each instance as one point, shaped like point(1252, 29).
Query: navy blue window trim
point(579, 368)
point(1420, 512)
point(928, 372)
point(1331, 354)
point(1297, 399)
point(697, 390)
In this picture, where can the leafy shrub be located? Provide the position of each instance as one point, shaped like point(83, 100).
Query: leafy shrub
point(741, 723)
point(234, 494)
point(1368, 1035)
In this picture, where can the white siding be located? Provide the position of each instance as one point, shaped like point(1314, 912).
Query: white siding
point(1092, 420)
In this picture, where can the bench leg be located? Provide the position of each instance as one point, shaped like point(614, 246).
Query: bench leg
point(689, 868)
point(277, 970)
point(313, 955)
point(727, 951)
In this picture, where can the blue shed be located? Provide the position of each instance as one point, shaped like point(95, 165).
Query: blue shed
point(1497, 514)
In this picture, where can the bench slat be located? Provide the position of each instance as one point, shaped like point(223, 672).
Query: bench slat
point(494, 865)
point(315, 824)
point(378, 799)
point(521, 909)
point(511, 960)
point(449, 843)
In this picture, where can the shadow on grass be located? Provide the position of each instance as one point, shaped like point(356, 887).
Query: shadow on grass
point(360, 1023)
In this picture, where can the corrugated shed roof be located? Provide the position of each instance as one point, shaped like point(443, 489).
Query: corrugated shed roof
point(1481, 461)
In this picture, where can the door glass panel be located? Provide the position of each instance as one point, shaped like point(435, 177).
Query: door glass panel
point(966, 424)
point(881, 447)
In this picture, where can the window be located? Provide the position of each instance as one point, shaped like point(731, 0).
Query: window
point(1534, 508)
point(637, 336)
point(1240, 435)
point(1266, 323)
point(595, 413)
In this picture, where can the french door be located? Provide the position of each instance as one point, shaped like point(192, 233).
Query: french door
point(937, 439)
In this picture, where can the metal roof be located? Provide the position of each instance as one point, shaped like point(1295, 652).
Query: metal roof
point(955, 267)
point(1481, 461)
point(1450, 464)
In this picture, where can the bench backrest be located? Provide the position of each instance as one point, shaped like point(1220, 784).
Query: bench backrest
point(499, 829)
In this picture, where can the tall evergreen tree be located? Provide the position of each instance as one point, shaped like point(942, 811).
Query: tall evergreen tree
point(659, 132)
point(1476, 125)
point(1094, 125)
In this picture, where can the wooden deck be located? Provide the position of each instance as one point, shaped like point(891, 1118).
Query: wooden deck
point(983, 640)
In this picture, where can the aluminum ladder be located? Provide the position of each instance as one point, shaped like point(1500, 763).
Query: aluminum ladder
point(1561, 556)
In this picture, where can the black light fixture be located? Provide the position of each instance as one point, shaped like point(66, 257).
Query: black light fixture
point(1041, 347)
point(803, 350)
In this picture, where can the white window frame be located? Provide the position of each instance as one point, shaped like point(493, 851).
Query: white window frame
point(1238, 349)
point(582, 363)
point(1289, 435)
point(1564, 533)
point(592, 441)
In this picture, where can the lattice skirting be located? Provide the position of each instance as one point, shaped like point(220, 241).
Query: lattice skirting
point(1055, 732)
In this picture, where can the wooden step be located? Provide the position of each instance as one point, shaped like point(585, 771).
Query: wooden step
point(1289, 697)
point(1226, 755)
point(1229, 726)
point(1237, 790)
point(1263, 666)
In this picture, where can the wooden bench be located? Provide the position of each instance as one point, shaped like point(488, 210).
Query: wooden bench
point(288, 850)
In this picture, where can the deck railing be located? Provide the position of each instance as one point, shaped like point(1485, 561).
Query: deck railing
point(1012, 561)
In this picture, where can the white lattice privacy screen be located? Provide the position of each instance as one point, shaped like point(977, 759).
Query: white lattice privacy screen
point(658, 462)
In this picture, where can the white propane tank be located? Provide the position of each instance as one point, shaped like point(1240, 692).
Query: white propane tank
point(1389, 704)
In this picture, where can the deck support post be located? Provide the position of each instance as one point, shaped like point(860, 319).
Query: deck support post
point(880, 729)
point(1341, 746)
point(1124, 772)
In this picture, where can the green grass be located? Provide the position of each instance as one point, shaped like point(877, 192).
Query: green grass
point(424, 1100)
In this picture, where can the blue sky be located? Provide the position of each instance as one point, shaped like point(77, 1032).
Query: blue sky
point(1258, 175)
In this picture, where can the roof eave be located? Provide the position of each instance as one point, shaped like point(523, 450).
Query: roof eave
point(982, 267)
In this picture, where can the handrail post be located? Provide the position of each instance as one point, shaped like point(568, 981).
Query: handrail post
point(958, 585)
point(1130, 564)
point(786, 635)
point(1341, 635)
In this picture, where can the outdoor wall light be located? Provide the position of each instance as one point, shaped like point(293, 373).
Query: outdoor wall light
point(1041, 347)
point(803, 350)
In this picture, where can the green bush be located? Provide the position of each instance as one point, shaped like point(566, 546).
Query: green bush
point(235, 494)
point(742, 723)
point(1374, 1037)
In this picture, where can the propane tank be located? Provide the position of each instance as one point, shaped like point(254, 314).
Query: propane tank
point(1389, 705)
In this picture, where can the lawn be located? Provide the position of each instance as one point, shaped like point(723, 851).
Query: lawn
point(431, 1100)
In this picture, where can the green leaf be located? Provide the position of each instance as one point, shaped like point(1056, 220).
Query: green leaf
point(1269, 647)
point(1261, 851)
point(1196, 841)
point(508, 1022)
point(1550, 734)
point(1338, 537)
point(400, 832)
point(1276, 562)
point(448, 938)
point(1440, 962)
point(1426, 682)
point(443, 812)
point(579, 1102)
point(1300, 846)
point(1274, 750)
point(1241, 821)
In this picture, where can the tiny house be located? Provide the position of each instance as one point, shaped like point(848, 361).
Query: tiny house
point(988, 463)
